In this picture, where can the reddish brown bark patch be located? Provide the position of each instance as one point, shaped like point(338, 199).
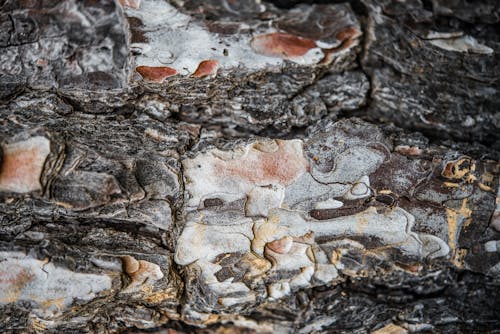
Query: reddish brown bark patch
point(155, 74)
point(206, 68)
point(137, 35)
point(282, 45)
point(348, 37)
point(348, 33)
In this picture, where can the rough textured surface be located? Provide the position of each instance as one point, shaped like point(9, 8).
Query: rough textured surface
point(61, 44)
point(246, 63)
point(270, 217)
point(249, 166)
point(436, 71)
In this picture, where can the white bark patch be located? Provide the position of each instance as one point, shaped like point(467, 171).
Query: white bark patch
point(239, 172)
point(329, 204)
point(51, 288)
point(176, 40)
point(246, 204)
point(361, 189)
point(462, 44)
point(201, 241)
point(393, 227)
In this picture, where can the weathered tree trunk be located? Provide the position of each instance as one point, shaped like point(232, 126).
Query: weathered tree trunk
point(249, 166)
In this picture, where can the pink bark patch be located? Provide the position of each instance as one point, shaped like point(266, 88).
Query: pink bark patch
point(206, 68)
point(282, 166)
point(135, 4)
point(155, 74)
point(282, 45)
point(281, 246)
point(22, 165)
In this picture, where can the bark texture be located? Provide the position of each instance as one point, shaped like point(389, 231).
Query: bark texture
point(249, 166)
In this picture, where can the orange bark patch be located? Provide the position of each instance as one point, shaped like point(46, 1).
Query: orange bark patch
point(391, 329)
point(205, 68)
point(458, 169)
point(22, 165)
point(135, 4)
point(282, 45)
point(283, 165)
point(155, 74)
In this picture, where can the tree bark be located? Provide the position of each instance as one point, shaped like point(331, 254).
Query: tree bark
point(249, 166)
